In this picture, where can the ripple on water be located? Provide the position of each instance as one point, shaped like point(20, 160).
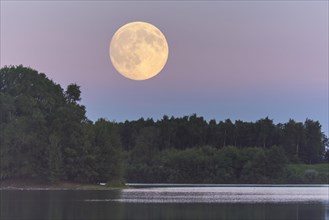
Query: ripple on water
point(221, 195)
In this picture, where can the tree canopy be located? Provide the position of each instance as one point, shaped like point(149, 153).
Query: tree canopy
point(45, 134)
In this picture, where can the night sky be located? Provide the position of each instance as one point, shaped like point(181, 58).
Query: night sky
point(240, 60)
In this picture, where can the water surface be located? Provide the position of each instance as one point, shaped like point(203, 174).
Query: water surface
point(163, 202)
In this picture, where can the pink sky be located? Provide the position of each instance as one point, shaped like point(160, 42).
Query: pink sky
point(238, 60)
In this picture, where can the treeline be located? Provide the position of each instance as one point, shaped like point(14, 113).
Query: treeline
point(191, 150)
point(45, 134)
point(302, 142)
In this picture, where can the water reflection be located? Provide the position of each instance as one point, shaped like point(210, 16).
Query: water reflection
point(224, 211)
point(57, 205)
point(297, 203)
point(225, 195)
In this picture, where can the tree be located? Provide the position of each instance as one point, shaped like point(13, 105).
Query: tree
point(293, 139)
point(244, 134)
point(265, 129)
point(73, 93)
point(108, 153)
point(313, 150)
point(166, 133)
point(28, 100)
point(213, 134)
point(44, 131)
point(227, 130)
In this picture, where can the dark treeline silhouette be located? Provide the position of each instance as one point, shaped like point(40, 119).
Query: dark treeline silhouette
point(45, 134)
point(302, 142)
point(191, 150)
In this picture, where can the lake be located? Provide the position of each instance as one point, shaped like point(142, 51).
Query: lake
point(169, 202)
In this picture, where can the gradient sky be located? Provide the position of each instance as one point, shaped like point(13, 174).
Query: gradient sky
point(239, 60)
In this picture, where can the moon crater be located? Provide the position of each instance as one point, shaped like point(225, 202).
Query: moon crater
point(138, 50)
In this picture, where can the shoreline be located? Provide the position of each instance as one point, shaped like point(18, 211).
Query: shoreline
point(41, 185)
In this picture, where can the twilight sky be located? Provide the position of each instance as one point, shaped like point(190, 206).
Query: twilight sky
point(239, 60)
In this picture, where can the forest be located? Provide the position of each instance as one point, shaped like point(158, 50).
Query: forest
point(46, 135)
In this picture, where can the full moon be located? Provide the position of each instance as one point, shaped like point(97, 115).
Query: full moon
point(138, 50)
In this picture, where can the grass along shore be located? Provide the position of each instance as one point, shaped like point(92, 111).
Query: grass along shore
point(301, 168)
point(309, 173)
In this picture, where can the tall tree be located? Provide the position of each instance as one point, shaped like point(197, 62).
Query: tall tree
point(293, 139)
point(313, 150)
point(227, 130)
point(265, 130)
point(72, 93)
